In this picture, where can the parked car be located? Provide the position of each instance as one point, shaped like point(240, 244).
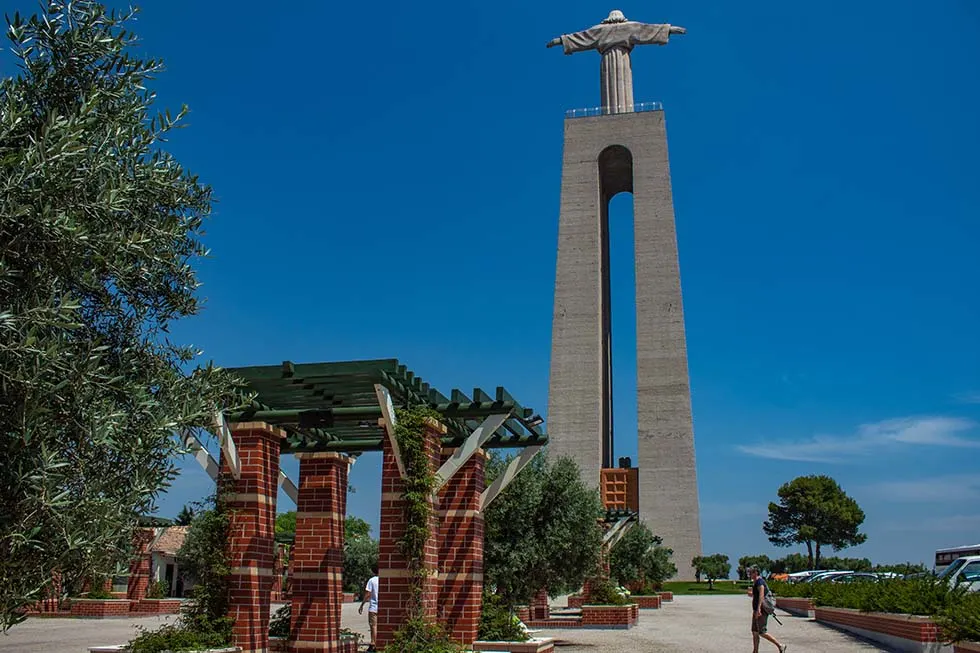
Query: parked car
point(822, 576)
point(963, 571)
point(856, 577)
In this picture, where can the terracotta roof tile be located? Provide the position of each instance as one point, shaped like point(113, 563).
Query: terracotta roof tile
point(170, 540)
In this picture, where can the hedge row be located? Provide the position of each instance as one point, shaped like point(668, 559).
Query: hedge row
point(955, 610)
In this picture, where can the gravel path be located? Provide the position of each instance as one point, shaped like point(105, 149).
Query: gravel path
point(691, 624)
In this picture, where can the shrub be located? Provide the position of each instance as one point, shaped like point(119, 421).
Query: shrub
point(499, 624)
point(959, 620)
point(280, 622)
point(603, 592)
point(175, 637)
point(157, 590)
point(920, 596)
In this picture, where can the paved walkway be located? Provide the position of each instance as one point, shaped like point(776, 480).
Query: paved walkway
point(691, 624)
point(707, 624)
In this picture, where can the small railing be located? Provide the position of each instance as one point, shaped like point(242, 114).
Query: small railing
point(639, 107)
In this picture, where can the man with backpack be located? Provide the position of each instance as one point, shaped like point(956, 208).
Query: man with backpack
point(763, 605)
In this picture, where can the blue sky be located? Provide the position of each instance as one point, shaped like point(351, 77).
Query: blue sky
point(388, 185)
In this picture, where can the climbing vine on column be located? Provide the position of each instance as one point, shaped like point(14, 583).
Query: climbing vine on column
point(417, 635)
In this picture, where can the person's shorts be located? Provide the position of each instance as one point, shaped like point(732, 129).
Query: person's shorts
point(760, 624)
point(372, 619)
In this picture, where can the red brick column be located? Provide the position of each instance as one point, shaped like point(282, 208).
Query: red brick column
point(251, 505)
point(318, 553)
point(461, 550)
point(394, 580)
point(540, 606)
point(140, 566)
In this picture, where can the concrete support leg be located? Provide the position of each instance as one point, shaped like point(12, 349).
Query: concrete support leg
point(394, 578)
point(461, 550)
point(251, 505)
point(318, 554)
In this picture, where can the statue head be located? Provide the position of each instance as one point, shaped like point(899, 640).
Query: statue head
point(615, 16)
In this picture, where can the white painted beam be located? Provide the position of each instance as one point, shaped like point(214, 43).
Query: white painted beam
point(388, 415)
point(228, 448)
point(476, 439)
point(616, 533)
point(508, 475)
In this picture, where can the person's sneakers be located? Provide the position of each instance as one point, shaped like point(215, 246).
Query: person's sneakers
point(782, 649)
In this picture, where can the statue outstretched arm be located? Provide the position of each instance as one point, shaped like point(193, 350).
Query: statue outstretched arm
point(553, 42)
point(677, 29)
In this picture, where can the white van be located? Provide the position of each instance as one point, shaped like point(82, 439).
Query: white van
point(965, 571)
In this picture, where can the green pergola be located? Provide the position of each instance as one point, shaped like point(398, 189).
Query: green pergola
point(338, 406)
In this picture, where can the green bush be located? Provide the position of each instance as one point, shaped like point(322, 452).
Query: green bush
point(959, 620)
point(920, 596)
point(175, 637)
point(279, 624)
point(497, 623)
point(602, 591)
point(157, 590)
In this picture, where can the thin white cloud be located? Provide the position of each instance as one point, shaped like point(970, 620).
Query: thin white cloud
point(940, 489)
point(967, 397)
point(870, 439)
point(739, 510)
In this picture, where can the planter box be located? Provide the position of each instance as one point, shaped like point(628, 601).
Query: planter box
point(349, 597)
point(799, 607)
point(576, 601)
point(610, 616)
point(281, 645)
point(647, 602)
point(666, 597)
point(121, 648)
point(155, 606)
point(901, 632)
point(966, 647)
point(542, 645)
point(100, 608)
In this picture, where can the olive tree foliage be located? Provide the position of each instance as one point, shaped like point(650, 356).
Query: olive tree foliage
point(99, 227)
point(640, 560)
point(713, 567)
point(542, 531)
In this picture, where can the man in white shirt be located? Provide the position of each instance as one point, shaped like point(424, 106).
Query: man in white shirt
point(370, 597)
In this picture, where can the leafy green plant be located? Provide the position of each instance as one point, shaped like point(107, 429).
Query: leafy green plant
point(175, 637)
point(157, 590)
point(638, 560)
point(203, 622)
point(712, 567)
point(959, 620)
point(99, 592)
point(603, 591)
point(280, 622)
point(541, 532)
point(920, 596)
point(417, 634)
point(498, 623)
point(101, 230)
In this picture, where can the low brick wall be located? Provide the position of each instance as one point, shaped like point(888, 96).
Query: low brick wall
point(155, 606)
point(349, 597)
point(796, 606)
point(610, 616)
point(100, 608)
point(576, 601)
point(967, 647)
point(543, 645)
point(647, 602)
point(666, 597)
point(280, 645)
point(899, 631)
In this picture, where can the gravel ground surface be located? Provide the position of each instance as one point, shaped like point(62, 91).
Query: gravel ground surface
point(691, 624)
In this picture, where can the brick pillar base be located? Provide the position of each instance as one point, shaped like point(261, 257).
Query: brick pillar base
point(394, 580)
point(540, 606)
point(461, 550)
point(251, 505)
point(140, 566)
point(318, 552)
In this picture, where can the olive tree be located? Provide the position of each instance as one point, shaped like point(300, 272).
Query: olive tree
point(99, 229)
point(542, 532)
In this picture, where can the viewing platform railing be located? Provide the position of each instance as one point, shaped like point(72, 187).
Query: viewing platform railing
point(590, 112)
